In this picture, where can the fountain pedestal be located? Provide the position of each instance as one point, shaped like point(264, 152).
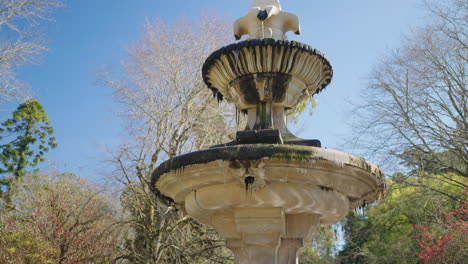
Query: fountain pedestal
point(268, 236)
point(268, 191)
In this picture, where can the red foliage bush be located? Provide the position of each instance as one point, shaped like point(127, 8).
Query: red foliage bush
point(448, 245)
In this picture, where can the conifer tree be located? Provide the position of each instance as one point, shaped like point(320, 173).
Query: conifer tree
point(25, 138)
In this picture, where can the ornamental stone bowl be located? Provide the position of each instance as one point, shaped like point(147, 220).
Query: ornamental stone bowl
point(268, 200)
point(266, 78)
point(266, 70)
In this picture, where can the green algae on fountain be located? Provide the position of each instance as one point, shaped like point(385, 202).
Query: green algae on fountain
point(294, 187)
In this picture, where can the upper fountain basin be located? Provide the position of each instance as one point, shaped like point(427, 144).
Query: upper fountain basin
point(266, 70)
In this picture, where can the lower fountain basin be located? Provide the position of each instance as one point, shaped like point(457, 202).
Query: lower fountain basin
point(269, 196)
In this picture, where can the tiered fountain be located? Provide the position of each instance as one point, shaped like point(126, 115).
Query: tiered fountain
point(268, 191)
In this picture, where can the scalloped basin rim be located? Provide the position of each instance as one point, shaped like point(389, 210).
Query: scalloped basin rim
point(258, 42)
point(252, 43)
point(253, 152)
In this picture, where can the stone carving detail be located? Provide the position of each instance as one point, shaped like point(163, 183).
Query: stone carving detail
point(266, 20)
point(250, 173)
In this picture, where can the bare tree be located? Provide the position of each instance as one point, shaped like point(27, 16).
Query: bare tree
point(169, 111)
point(20, 42)
point(413, 120)
point(415, 109)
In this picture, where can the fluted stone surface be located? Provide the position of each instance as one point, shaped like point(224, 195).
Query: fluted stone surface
point(268, 200)
point(267, 70)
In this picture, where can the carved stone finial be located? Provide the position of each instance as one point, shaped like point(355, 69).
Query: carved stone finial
point(266, 20)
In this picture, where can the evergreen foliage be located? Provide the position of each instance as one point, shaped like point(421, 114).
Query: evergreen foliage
point(28, 136)
point(322, 248)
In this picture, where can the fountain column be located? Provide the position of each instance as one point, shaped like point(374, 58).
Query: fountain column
point(269, 236)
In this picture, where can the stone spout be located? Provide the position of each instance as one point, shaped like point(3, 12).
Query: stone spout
point(262, 15)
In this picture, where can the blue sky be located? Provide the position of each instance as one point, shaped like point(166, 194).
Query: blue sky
point(91, 34)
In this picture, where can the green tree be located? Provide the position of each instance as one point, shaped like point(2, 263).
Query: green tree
point(29, 136)
point(321, 250)
point(356, 227)
point(387, 233)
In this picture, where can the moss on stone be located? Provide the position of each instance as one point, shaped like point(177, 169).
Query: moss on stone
point(247, 153)
point(250, 44)
point(239, 152)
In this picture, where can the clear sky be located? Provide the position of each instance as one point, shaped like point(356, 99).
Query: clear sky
point(91, 34)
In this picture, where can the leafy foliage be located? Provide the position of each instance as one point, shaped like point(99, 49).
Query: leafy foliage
point(449, 245)
point(57, 219)
point(321, 250)
point(386, 233)
point(415, 115)
point(29, 135)
point(356, 229)
point(20, 246)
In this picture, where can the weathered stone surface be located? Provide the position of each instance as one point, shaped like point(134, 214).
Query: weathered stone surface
point(300, 162)
point(267, 70)
point(268, 198)
point(266, 78)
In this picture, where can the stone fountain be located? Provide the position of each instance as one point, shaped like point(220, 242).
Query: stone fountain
point(268, 191)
